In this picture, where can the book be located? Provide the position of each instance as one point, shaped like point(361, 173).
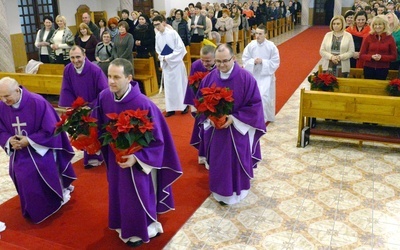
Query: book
point(305, 137)
point(166, 50)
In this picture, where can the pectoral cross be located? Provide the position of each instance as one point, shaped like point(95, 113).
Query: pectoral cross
point(18, 126)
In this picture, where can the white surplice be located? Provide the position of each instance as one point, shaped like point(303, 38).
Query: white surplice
point(173, 69)
point(264, 73)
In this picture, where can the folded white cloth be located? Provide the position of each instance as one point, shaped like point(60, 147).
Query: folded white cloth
point(2, 226)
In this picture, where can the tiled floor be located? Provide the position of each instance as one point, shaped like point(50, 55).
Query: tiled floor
point(332, 194)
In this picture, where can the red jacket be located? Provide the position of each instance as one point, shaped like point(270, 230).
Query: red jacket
point(378, 44)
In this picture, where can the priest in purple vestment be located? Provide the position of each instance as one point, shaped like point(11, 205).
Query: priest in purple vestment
point(139, 188)
point(85, 79)
point(234, 150)
point(206, 63)
point(40, 163)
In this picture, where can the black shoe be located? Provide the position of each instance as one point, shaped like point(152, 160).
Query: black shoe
point(134, 244)
point(185, 111)
point(88, 166)
point(222, 203)
point(169, 113)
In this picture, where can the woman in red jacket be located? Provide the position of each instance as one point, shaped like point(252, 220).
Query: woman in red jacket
point(378, 49)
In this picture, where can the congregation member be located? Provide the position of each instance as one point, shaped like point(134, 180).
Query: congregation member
point(102, 26)
point(171, 51)
point(61, 42)
point(42, 41)
point(394, 26)
point(40, 163)
point(234, 150)
point(86, 40)
point(125, 17)
point(378, 49)
point(93, 27)
point(113, 27)
point(139, 188)
point(358, 30)
point(198, 25)
point(85, 79)
point(123, 43)
point(337, 48)
point(181, 26)
point(261, 59)
point(224, 26)
point(103, 52)
point(144, 38)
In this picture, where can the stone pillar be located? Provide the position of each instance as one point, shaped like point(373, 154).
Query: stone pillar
point(126, 4)
point(305, 9)
point(338, 8)
point(6, 54)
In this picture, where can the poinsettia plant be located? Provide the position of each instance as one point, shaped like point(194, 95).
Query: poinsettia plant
point(80, 126)
point(215, 103)
point(323, 81)
point(195, 79)
point(128, 132)
point(394, 87)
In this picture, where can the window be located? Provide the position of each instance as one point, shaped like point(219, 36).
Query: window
point(31, 13)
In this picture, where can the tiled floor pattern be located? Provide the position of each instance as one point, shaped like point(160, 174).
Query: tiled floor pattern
point(332, 194)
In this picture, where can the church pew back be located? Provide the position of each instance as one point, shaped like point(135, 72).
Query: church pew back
point(41, 84)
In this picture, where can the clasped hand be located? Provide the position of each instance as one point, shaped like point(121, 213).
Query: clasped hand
point(131, 160)
point(335, 59)
point(19, 142)
point(229, 121)
point(376, 57)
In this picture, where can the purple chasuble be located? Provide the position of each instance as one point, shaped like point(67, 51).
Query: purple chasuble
point(39, 180)
point(197, 66)
point(133, 201)
point(229, 154)
point(87, 85)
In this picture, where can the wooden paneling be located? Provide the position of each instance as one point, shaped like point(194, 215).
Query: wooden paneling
point(19, 51)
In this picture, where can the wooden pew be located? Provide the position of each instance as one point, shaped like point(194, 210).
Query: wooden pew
point(50, 69)
point(289, 23)
point(240, 40)
point(270, 29)
point(145, 71)
point(195, 50)
point(187, 60)
point(359, 73)
point(356, 100)
point(281, 25)
point(41, 84)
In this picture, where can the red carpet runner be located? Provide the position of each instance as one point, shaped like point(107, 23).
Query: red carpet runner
point(82, 223)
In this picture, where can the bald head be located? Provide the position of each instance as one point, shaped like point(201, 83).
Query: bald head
point(9, 91)
point(86, 18)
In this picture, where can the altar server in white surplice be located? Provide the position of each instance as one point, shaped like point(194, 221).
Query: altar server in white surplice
point(261, 58)
point(171, 50)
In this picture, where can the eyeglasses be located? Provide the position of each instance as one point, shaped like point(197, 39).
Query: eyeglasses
point(223, 61)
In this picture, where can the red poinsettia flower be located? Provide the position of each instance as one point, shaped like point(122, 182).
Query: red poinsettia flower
point(197, 77)
point(129, 128)
point(79, 102)
point(215, 101)
point(81, 127)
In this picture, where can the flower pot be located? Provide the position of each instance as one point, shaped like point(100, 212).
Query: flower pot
point(218, 121)
point(123, 152)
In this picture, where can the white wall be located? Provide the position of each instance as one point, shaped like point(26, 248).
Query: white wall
point(12, 14)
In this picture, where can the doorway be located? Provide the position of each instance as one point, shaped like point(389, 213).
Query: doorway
point(323, 11)
point(143, 5)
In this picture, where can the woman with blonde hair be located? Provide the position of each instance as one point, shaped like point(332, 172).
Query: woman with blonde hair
point(87, 40)
point(378, 49)
point(394, 26)
point(337, 48)
point(61, 42)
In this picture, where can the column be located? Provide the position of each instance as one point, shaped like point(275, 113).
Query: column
point(305, 15)
point(126, 4)
point(338, 8)
point(6, 55)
